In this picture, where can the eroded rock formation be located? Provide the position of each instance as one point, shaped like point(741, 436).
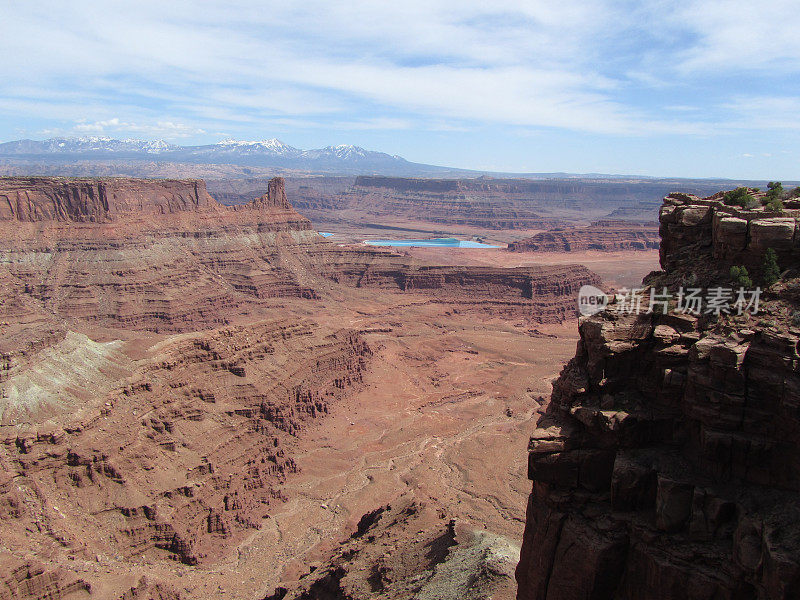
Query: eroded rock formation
point(162, 358)
point(667, 464)
point(601, 235)
point(480, 203)
point(386, 557)
point(540, 294)
point(220, 406)
point(209, 264)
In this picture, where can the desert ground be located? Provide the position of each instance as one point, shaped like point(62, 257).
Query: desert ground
point(442, 419)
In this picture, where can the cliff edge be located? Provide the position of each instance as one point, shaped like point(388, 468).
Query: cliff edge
point(121, 200)
point(667, 464)
point(35, 199)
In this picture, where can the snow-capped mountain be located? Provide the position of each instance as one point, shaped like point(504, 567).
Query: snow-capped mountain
point(342, 158)
point(233, 147)
point(346, 152)
point(86, 145)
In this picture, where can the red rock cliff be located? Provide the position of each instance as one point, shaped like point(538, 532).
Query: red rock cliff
point(98, 200)
point(667, 465)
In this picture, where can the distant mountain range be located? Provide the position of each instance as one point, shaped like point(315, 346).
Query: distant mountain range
point(104, 156)
point(344, 159)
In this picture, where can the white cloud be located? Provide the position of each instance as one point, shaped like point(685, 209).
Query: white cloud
point(161, 129)
point(595, 66)
point(742, 35)
point(764, 112)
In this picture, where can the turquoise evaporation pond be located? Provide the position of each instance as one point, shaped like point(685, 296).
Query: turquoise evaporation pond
point(325, 233)
point(435, 242)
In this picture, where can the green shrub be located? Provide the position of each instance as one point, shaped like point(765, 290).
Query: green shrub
point(739, 197)
point(770, 271)
point(740, 277)
point(795, 193)
point(775, 205)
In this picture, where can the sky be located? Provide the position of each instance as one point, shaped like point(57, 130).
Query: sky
point(696, 88)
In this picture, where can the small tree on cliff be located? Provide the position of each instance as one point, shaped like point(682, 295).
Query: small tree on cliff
point(770, 271)
point(740, 277)
point(774, 190)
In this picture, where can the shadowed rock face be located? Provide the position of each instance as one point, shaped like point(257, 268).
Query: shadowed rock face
point(394, 553)
point(667, 465)
point(602, 235)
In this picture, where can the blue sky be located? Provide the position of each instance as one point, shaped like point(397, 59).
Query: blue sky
point(697, 88)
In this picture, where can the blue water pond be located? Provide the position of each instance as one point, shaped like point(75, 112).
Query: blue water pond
point(435, 242)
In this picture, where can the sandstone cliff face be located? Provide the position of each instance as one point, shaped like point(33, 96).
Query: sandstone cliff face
point(97, 200)
point(148, 254)
point(667, 464)
point(601, 235)
point(693, 228)
point(128, 444)
point(489, 203)
point(537, 293)
point(441, 202)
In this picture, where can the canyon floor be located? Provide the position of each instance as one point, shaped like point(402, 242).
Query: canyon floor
point(441, 419)
point(438, 427)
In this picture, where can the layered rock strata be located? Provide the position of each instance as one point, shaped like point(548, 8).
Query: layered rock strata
point(128, 253)
point(182, 459)
point(693, 229)
point(162, 358)
point(540, 294)
point(480, 203)
point(601, 235)
point(32, 199)
point(667, 464)
point(145, 254)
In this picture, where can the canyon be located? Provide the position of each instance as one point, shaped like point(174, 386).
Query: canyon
point(666, 463)
point(499, 209)
point(203, 401)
